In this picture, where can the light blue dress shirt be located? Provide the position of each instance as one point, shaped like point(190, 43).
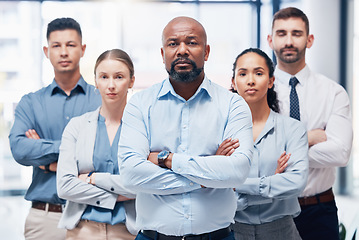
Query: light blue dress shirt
point(266, 196)
point(47, 111)
point(172, 201)
point(105, 160)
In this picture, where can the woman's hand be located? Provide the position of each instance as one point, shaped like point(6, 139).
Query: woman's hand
point(282, 162)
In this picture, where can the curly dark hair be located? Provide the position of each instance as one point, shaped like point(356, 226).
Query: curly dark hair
point(271, 94)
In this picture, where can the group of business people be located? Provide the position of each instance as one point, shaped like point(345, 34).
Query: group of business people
point(185, 158)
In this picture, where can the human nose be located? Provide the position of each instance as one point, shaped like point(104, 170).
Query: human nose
point(182, 49)
point(289, 40)
point(250, 80)
point(111, 83)
point(64, 51)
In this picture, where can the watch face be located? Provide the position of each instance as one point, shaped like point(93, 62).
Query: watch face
point(163, 154)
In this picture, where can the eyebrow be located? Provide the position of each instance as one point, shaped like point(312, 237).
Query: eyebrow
point(176, 38)
point(282, 31)
point(259, 68)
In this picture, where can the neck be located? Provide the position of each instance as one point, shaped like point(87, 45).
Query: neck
point(292, 68)
point(260, 112)
point(67, 80)
point(187, 90)
point(112, 112)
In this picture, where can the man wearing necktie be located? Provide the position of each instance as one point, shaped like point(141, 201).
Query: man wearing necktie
point(323, 106)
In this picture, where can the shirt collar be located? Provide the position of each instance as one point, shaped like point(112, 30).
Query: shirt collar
point(284, 77)
point(80, 87)
point(167, 88)
point(267, 127)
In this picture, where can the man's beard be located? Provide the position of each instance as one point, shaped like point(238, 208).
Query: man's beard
point(186, 77)
point(290, 58)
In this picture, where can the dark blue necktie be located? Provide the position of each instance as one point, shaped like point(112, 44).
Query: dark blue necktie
point(293, 98)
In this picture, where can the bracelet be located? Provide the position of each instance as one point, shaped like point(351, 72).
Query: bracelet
point(47, 168)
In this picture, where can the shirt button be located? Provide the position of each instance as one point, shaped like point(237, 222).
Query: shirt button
point(98, 202)
point(164, 185)
point(67, 118)
point(191, 183)
point(186, 216)
point(112, 189)
point(184, 126)
point(179, 169)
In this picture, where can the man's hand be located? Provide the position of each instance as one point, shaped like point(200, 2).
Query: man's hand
point(316, 136)
point(282, 162)
point(227, 147)
point(152, 157)
point(32, 134)
point(52, 167)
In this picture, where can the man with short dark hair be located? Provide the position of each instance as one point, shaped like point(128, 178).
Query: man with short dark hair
point(170, 134)
point(40, 119)
point(323, 106)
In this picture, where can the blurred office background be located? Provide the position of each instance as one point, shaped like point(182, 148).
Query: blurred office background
point(136, 27)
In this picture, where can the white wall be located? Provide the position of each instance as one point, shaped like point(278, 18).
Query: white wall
point(324, 20)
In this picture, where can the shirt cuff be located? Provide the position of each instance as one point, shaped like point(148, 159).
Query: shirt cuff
point(180, 166)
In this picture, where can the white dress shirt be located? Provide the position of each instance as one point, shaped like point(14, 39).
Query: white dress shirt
point(324, 104)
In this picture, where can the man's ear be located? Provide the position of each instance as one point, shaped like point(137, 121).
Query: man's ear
point(46, 51)
point(310, 40)
point(163, 55)
point(83, 47)
point(206, 54)
point(270, 41)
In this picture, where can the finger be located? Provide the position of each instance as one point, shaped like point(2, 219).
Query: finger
point(35, 135)
point(225, 142)
point(229, 153)
point(27, 134)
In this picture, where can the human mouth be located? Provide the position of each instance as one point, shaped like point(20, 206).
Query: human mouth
point(64, 63)
point(182, 63)
point(251, 91)
point(111, 95)
point(288, 51)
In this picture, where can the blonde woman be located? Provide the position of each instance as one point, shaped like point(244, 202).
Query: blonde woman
point(97, 207)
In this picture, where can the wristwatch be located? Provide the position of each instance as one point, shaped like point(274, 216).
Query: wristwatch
point(88, 179)
point(161, 157)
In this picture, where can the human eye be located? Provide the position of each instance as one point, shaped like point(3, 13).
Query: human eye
point(281, 33)
point(104, 76)
point(242, 74)
point(119, 77)
point(171, 44)
point(193, 43)
point(297, 34)
point(259, 73)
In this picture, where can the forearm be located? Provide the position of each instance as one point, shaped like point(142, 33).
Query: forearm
point(144, 176)
point(213, 171)
point(112, 184)
point(71, 188)
point(328, 154)
point(30, 152)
